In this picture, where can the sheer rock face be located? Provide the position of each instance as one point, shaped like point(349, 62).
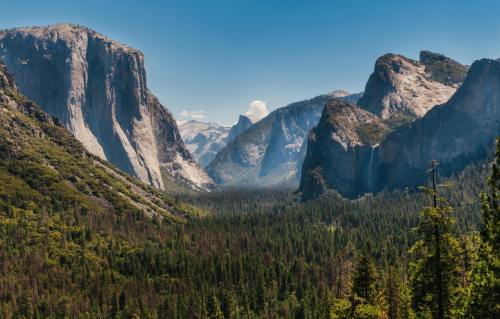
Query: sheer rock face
point(97, 88)
point(455, 133)
point(54, 158)
point(243, 123)
point(271, 151)
point(340, 153)
point(400, 87)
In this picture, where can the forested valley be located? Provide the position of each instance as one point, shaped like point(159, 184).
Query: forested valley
point(260, 254)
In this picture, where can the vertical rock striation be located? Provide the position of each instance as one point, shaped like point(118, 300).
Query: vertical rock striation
point(243, 123)
point(97, 88)
point(455, 133)
point(341, 151)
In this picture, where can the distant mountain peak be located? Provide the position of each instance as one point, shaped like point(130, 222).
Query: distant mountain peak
point(270, 152)
point(203, 139)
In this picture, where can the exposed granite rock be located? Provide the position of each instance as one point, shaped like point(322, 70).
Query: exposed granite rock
point(455, 133)
point(97, 88)
point(340, 152)
point(243, 123)
point(270, 152)
point(204, 140)
point(401, 89)
point(38, 156)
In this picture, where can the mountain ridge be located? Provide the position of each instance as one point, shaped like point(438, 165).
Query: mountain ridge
point(249, 161)
point(455, 133)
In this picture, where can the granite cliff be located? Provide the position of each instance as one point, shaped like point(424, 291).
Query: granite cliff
point(356, 152)
point(97, 88)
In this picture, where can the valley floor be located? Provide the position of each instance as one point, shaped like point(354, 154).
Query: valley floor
point(257, 255)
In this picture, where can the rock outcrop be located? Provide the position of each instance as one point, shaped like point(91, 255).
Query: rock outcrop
point(443, 69)
point(455, 133)
point(270, 152)
point(97, 88)
point(401, 89)
point(340, 150)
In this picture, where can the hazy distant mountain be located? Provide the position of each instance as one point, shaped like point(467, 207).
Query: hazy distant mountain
point(97, 88)
point(243, 123)
point(353, 151)
point(270, 152)
point(203, 140)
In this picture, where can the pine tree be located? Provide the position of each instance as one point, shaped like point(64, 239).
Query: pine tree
point(436, 270)
point(393, 293)
point(364, 285)
point(485, 291)
point(215, 309)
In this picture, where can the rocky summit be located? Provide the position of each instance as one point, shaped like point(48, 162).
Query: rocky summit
point(401, 89)
point(356, 152)
point(243, 123)
point(97, 88)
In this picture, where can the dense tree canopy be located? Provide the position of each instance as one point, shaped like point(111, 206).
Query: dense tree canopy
point(259, 255)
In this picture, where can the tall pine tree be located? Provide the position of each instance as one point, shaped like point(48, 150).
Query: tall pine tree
point(436, 270)
point(485, 291)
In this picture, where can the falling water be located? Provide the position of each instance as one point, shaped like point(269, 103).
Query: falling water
point(370, 167)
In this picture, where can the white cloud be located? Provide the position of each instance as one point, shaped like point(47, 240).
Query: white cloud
point(197, 115)
point(257, 111)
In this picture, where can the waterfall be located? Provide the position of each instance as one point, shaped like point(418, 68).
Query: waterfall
point(370, 167)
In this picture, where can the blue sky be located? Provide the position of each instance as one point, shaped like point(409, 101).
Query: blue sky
point(217, 56)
